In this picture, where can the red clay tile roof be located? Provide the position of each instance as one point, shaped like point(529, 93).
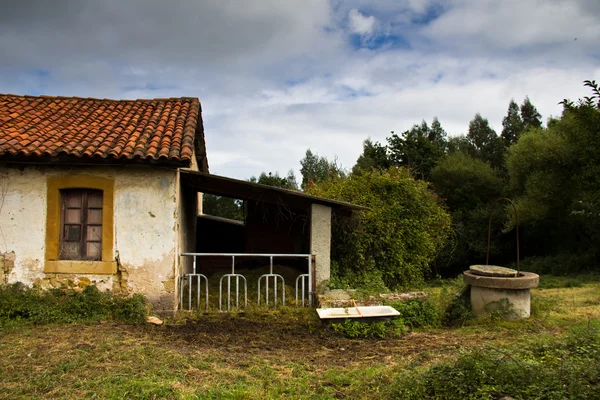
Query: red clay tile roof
point(159, 130)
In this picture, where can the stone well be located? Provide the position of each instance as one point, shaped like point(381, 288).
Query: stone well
point(501, 289)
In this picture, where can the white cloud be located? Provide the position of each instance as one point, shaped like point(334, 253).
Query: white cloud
point(275, 78)
point(360, 23)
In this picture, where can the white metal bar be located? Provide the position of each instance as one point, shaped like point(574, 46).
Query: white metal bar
point(303, 296)
point(247, 255)
point(228, 276)
point(310, 296)
point(190, 284)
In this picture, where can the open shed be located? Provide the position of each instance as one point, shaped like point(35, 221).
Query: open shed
point(276, 221)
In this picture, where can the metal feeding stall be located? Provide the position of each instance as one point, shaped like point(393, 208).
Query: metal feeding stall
point(304, 289)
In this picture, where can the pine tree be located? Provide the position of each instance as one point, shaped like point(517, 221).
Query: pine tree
point(512, 125)
point(488, 145)
point(530, 115)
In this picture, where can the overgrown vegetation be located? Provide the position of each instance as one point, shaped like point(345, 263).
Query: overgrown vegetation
point(377, 329)
point(393, 243)
point(546, 368)
point(20, 305)
point(288, 353)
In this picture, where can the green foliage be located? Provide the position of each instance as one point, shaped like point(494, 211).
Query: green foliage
point(458, 311)
point(561, 264)
point(378, 329)
point(374, 156)
point(530, 116)
point(221, 206)
point(468, 185)
point(555, 175)
point(512, 125)
point(554, 368)
point(418, 313)
point(419, 148)
point(316, 169)
point(488, 146)
point(19, 304)
point(396, 239)
point(461, 144)
point(270, 179)
point(464, 182)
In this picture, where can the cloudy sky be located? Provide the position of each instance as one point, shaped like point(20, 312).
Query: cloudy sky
point(276, 77)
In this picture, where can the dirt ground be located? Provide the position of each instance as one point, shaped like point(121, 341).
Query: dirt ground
point(244, 339)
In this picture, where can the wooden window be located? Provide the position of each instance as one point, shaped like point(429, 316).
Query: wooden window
point(81, 224)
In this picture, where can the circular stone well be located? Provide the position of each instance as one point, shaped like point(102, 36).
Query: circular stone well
point(499, 289)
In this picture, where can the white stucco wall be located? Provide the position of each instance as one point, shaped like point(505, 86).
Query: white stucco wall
point(320, 242)
point(145, 227)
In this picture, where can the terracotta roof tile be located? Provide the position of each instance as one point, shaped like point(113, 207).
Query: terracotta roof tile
point(158, 129)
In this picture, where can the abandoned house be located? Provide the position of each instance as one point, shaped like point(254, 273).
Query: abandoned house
point(106, 192)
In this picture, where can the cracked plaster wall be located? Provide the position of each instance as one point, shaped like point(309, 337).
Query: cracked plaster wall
point(146, 240)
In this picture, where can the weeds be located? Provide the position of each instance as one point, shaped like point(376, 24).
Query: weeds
point(418, 313)
point(19, 304)
point(564, 367)
point(358, 329)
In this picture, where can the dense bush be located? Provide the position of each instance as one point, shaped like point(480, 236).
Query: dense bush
point(549, 368)
point(393, 243)
point(418, 313)
point(32, 305)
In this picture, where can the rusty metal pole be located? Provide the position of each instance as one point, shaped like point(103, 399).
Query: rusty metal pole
point(487, 258)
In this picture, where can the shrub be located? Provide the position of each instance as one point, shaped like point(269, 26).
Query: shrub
point(555, 368)
point(19, 304)
point(418, 313)
point(458, 311)
point(378, 329)
point(393, 242)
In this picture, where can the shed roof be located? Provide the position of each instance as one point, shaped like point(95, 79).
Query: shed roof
point(244, 190)
point(157, 131)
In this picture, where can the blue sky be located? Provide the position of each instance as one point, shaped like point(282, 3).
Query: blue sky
point(277, 77)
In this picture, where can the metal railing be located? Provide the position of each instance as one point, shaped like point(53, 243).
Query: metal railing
point(275, 277)
point(190, 279)
point(238, 277)
point(304, 278)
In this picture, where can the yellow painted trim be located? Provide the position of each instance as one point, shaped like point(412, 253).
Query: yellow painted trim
point(55, 184)
point(80, 267)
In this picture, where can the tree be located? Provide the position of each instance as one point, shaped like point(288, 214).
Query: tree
point(374, 156)
point(555, 176)
point(512, 125)
point(224, 207)
point(529, 115)
point(392, 243)
point(315, 169)
point(270, 179)
point(488, 146)
point(437, 134)
point(468, 185)
point(460, 144)
point(419, 148)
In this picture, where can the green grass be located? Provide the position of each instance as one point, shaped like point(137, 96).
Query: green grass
point(288, 353)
